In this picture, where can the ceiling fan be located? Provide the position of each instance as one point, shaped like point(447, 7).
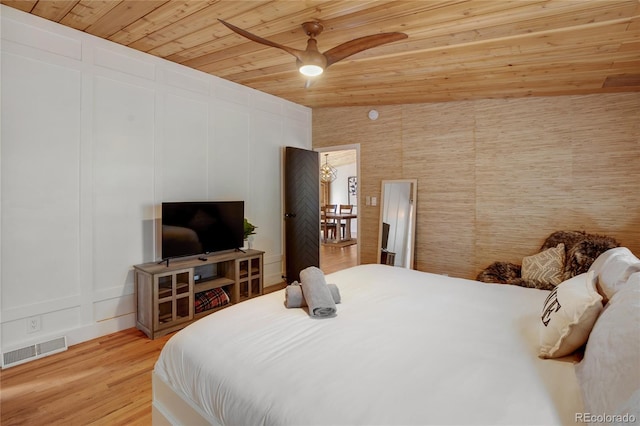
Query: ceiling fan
point(312, 62)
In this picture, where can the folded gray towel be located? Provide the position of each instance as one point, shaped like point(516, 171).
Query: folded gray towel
point(293, 297)
point(316, 293)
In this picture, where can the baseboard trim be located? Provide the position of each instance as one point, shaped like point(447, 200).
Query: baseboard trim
point(102, 328)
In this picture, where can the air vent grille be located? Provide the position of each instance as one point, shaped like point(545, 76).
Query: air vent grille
point(32, 352)
point(18, 355)
point(52, 346)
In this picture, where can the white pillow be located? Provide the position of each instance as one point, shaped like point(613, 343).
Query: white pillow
point(634, 278)
point(609, 373)
point(613, 268)
point(568, 315)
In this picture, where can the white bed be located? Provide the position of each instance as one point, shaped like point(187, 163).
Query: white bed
point(406, 348)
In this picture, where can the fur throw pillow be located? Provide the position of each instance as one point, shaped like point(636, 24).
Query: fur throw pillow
point(581, 250)
point(583, 254)
point(509, 273)
point(568, 238)
point(500, 272)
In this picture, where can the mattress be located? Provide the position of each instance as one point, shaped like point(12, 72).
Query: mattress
point(406, 347)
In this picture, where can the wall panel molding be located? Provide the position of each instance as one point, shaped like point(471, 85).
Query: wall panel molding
point(132, 128)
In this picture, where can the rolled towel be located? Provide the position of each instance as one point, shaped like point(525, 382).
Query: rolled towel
point(316, 293)
point(294, 298)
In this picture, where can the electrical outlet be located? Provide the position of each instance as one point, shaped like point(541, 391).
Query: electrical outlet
point(33, 324)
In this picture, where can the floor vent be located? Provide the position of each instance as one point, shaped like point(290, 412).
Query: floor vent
point(29, 353)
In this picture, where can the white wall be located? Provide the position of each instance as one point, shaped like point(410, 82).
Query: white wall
point(94, 137)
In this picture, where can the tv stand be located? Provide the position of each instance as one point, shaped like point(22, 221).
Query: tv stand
point(166, 293)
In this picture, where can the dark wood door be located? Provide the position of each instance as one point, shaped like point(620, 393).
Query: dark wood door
point(302, 211)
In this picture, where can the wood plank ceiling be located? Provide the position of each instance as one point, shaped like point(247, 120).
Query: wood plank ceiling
point(456, 50)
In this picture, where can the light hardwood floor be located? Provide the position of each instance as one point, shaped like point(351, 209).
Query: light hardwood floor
point(105, 381)
point(336, 258)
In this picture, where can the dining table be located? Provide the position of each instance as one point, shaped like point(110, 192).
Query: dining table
point(339, 218)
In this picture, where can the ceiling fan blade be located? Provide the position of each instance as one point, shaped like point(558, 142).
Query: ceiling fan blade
point(253, 37)
point(359, 44)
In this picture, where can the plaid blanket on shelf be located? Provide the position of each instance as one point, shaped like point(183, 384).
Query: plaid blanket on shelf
point(210, 299)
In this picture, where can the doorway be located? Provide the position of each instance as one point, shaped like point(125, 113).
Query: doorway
point(340, 249)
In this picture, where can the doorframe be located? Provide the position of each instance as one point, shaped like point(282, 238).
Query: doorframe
point(349, 147)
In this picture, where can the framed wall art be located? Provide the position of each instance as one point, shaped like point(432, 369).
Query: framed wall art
point(352, 190)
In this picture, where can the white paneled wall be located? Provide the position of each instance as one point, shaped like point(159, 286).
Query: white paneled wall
point(94, 137)
point(184, 139)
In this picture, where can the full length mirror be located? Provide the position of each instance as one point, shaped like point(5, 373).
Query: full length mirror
point(396, 237)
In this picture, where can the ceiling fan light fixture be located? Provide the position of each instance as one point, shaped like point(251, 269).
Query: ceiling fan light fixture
point(311, 62)
point(310, 70)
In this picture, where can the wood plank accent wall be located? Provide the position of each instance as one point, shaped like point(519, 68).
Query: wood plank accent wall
point(496, 177)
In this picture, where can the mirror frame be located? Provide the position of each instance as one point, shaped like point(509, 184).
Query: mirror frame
point(409, 260)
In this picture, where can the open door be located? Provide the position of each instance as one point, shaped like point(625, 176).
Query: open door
point(302, 211)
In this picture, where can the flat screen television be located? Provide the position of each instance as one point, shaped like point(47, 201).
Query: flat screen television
point(191, 228)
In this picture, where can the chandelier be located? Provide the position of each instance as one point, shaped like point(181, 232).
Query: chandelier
point(328, 173)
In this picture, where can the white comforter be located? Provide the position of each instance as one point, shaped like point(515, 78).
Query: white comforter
point(406, 348)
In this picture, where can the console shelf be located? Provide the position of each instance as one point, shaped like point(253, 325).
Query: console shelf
point(208, 284)
point(165, 292)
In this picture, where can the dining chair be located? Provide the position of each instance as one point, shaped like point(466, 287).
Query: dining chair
point(344, 209)
point(328, 225)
